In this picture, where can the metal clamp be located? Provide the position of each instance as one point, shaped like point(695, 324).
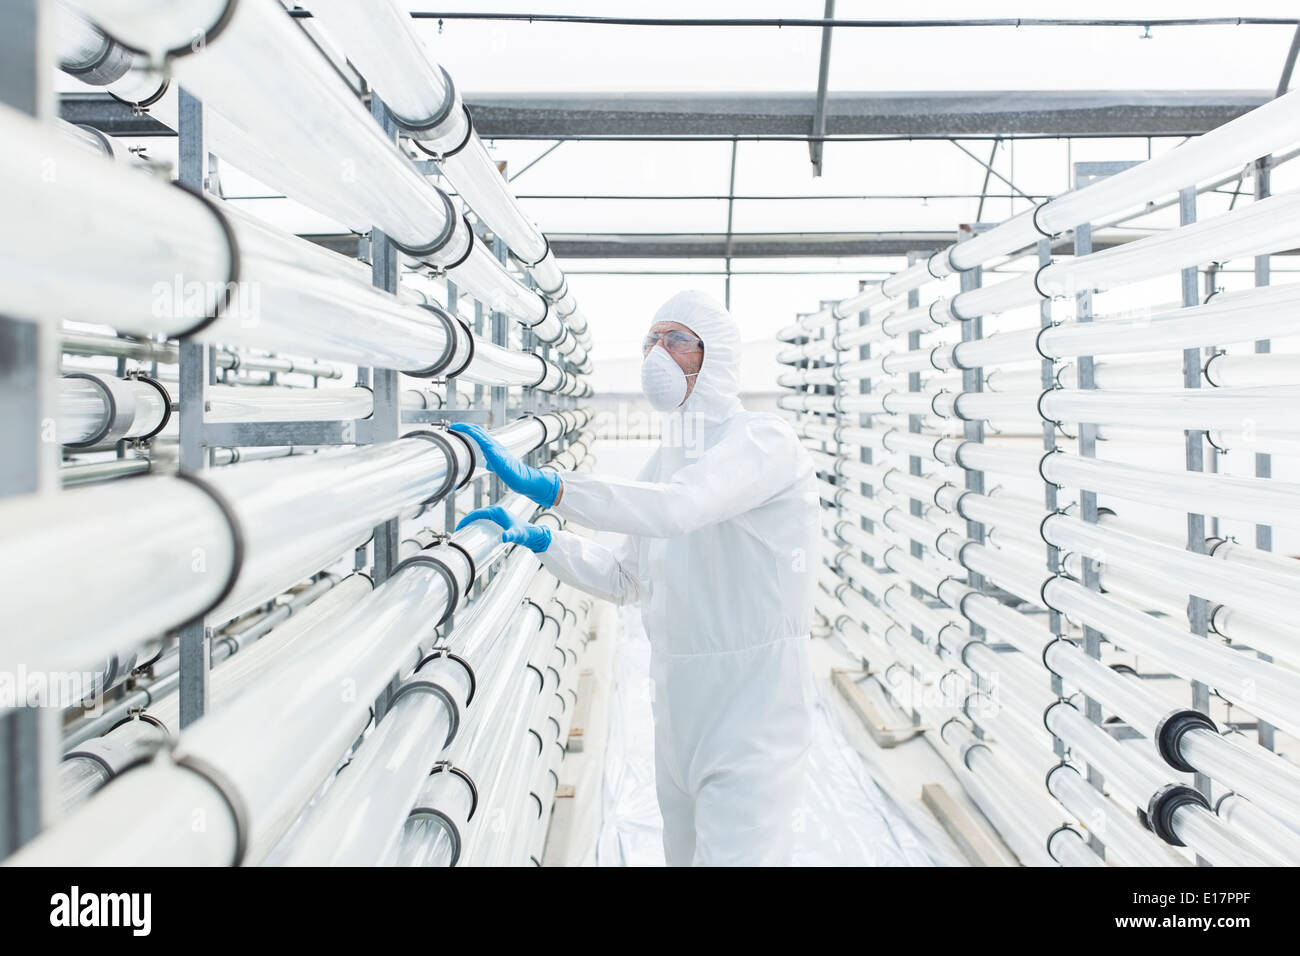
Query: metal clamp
point(1038, 226)
point(234, 268)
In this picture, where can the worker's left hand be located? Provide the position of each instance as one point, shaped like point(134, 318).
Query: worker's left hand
point(533, 537)
point(542, 486)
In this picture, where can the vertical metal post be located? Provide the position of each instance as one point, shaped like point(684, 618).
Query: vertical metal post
point(1088, 499)
point(499, 393)
point(914, 461)
point(864, 420)
point(1197, 607)
point(194, 648)
point(914, 426)
point(1263, 460)
point(387, 412)
point(28, 735)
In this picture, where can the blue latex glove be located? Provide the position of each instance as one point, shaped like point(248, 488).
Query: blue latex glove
point(533, 537)
point(541, 486)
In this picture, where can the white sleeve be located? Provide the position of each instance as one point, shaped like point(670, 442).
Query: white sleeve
point(603, 572)
point(757, 461)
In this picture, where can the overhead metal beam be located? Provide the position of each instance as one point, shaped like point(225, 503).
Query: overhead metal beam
point(823, 81)
point(715, 245)
point(915, 114)
point(923, 115)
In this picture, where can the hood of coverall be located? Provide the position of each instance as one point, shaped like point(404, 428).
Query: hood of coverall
point(716, 395)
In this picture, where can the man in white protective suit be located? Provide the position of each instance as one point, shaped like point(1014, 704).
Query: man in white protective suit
point(720, 550)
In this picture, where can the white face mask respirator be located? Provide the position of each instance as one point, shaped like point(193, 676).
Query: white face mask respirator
point(663, 381)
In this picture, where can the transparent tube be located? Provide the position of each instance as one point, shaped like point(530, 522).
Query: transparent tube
point(359, 820)
point(1267, 225)
point(79, 218)
point(86, 138)
point(297, 708)
point(1196, 573)
point(1229, 317)
point(382, 44)
point(1135, 780)
point(84, 552)
point(1265, 832)
point(378, 39)
point(1280, 639)
point(1271, 692)
point(284, 640)
point(495, 365)
point(999, 349)
point(1214, 841)
point(1252, 371)
point(352, 490)
point(1032, 820)
point(111, 830)
point(1263, 500)
point(78, 780)
point(483, 277)
point(1267, 780)
point(271, 403)
point(287, 301)
point(82, 409)
point(1232, 410)
point(1126, 698)
point(264, 75)
point(995, 298)
point(474, 174)
point(1144, 376)
point(434, 839)
point(1124, 838)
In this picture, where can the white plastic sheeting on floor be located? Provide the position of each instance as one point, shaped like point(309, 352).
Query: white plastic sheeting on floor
point(849, 820)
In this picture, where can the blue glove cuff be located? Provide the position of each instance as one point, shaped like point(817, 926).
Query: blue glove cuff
point(539, 539)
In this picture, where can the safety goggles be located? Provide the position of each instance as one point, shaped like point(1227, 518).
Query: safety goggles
point(674, 340)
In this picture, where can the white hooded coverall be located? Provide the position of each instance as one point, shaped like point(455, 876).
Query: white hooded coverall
point(720, 549)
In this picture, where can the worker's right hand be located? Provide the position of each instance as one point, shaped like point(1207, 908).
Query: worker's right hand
point(542, 486)
point(533, 537)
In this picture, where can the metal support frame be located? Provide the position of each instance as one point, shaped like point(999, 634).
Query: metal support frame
point(815, 145)
point(498, 393)
point(194, 649)
point(864, 420)
point(913, 461)
point(1263, 268)
point(28, 735)
point(731, 208)
point(1198, 610)
point(988, 173)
